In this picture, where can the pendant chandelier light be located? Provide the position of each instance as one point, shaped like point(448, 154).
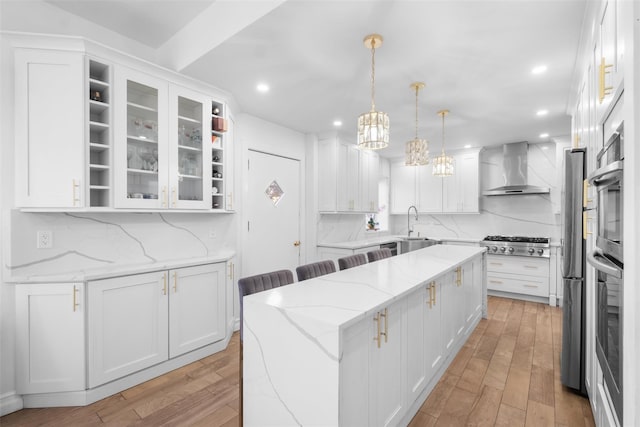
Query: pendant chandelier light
point(443, 164)
point(417, 150)
point(373, 127)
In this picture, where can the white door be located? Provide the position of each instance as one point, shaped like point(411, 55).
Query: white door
point(272, 214)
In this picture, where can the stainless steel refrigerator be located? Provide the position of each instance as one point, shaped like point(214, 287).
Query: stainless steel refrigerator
point(572, 368)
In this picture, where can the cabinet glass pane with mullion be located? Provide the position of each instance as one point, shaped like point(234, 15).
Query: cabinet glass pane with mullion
point(190, 149)
point(142, 141)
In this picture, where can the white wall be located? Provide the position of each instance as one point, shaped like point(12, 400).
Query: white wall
point(253, 133)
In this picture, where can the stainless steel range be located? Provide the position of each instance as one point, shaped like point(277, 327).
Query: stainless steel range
point(517, 245)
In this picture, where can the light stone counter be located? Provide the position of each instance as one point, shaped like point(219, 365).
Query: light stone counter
point(120, 270)
point(292, 334)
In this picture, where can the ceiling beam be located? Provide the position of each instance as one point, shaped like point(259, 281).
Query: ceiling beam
point(216, 24)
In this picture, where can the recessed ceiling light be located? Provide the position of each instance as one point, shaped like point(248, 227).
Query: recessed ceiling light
point(539, 69)
point(545, 147)
point(467, 146)
point(542, 113)
point(262, 87)
point(337, 123)
point(544, 135)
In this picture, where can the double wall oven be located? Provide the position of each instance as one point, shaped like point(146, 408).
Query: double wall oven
point(608, 261)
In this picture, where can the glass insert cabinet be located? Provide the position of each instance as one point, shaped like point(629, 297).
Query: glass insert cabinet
point(166, 156)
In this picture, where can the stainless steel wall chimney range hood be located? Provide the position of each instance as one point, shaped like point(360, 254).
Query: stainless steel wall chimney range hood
point(514, 167)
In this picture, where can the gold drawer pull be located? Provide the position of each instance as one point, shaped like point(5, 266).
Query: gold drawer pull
point(386, 325)
point(495, 263)
point(164, 283)
point(497, 282)
point(530, 286)
point(76, 304)
point(533, 267)
point(175, 281)
point(376, 319)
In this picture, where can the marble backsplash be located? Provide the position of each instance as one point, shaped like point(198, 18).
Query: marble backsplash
point(83, 241)
point(531, 215)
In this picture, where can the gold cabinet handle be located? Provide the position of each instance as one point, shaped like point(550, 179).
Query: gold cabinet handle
point(459, 276)
point(231, 270)
point(230, 200)
point(175, 281)
point(75, 193)
point(296, 243)
point(497, 282)
point(76, 304)
point(164, 196)
point(433, 286)
point(531, 267)
point(386, 325)
point(430, 288)
point(164, 283)
point(173, 197)
point(585, 194)
point(530, 286)
point(585, 226)
point(576, 141)
point(376, 319)
point(495, 263)
point(603, 90)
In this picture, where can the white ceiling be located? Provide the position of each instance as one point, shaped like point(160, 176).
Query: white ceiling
point(474, 56)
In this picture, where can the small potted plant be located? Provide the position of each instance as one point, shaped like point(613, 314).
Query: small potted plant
point(371, 224)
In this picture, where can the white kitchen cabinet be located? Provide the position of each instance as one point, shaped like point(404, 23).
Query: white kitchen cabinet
point(189, 149)
point(98, 134)
point(416, 185)
point(140, 320)
point(369, 178)
point(161, 132)
point(49, 129)
point(375, 391)
point(128, 325)
point(197, 307)
point(424, 344)
point(518, 275)
point(50, 338)
point(429, 190)
point(460, 192)
point(347, 178)
point(402, 187)
point(453, 294)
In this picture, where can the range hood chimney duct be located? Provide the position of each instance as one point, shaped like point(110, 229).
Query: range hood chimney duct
point(514, 165)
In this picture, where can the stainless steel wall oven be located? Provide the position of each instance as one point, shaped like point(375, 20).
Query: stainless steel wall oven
point(608, 260)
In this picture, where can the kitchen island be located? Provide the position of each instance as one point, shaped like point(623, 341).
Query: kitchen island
point(363, 346)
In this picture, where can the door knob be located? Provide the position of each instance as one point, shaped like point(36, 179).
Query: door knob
point(296, 243)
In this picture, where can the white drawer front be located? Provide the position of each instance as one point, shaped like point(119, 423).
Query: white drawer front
point(538, 267)
point(536, 286)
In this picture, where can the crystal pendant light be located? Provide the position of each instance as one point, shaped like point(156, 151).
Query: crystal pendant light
point(417, 150)
point(373, 126)
point(443, 164)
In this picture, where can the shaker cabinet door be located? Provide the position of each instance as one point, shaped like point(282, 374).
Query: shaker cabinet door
point(49, 132)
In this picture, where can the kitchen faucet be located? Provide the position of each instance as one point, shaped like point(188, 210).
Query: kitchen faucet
point(408, 226)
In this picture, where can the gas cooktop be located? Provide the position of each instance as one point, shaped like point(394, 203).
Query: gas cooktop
point(517, 239)
point(517, 245)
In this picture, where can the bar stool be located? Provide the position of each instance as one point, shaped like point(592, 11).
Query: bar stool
point(315, 269)
point(379, 254)
point(254, 284)
point(352, 261)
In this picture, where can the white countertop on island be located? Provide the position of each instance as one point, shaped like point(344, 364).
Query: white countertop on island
point(293, 335)
point(346, 296)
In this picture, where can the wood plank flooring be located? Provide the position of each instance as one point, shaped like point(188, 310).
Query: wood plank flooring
point(507, 374)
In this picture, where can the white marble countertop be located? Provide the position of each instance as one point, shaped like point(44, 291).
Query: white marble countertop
point(374, 241)
point(342, 298)
point(120, 270)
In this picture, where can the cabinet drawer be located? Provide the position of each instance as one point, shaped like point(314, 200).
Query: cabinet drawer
point(525, 266)
point(528, 285)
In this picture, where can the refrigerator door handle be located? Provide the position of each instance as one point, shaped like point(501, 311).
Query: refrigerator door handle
point(603, 264)
point(607, 174)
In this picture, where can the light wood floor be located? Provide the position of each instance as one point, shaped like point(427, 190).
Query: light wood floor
point(507, 374)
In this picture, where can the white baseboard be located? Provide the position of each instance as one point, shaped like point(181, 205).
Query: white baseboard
point(10, 402)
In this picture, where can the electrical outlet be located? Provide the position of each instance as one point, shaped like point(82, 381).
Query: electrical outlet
point(212, 234)
point(45, 240)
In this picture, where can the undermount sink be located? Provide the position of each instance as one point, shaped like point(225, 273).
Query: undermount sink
point(408, 244)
